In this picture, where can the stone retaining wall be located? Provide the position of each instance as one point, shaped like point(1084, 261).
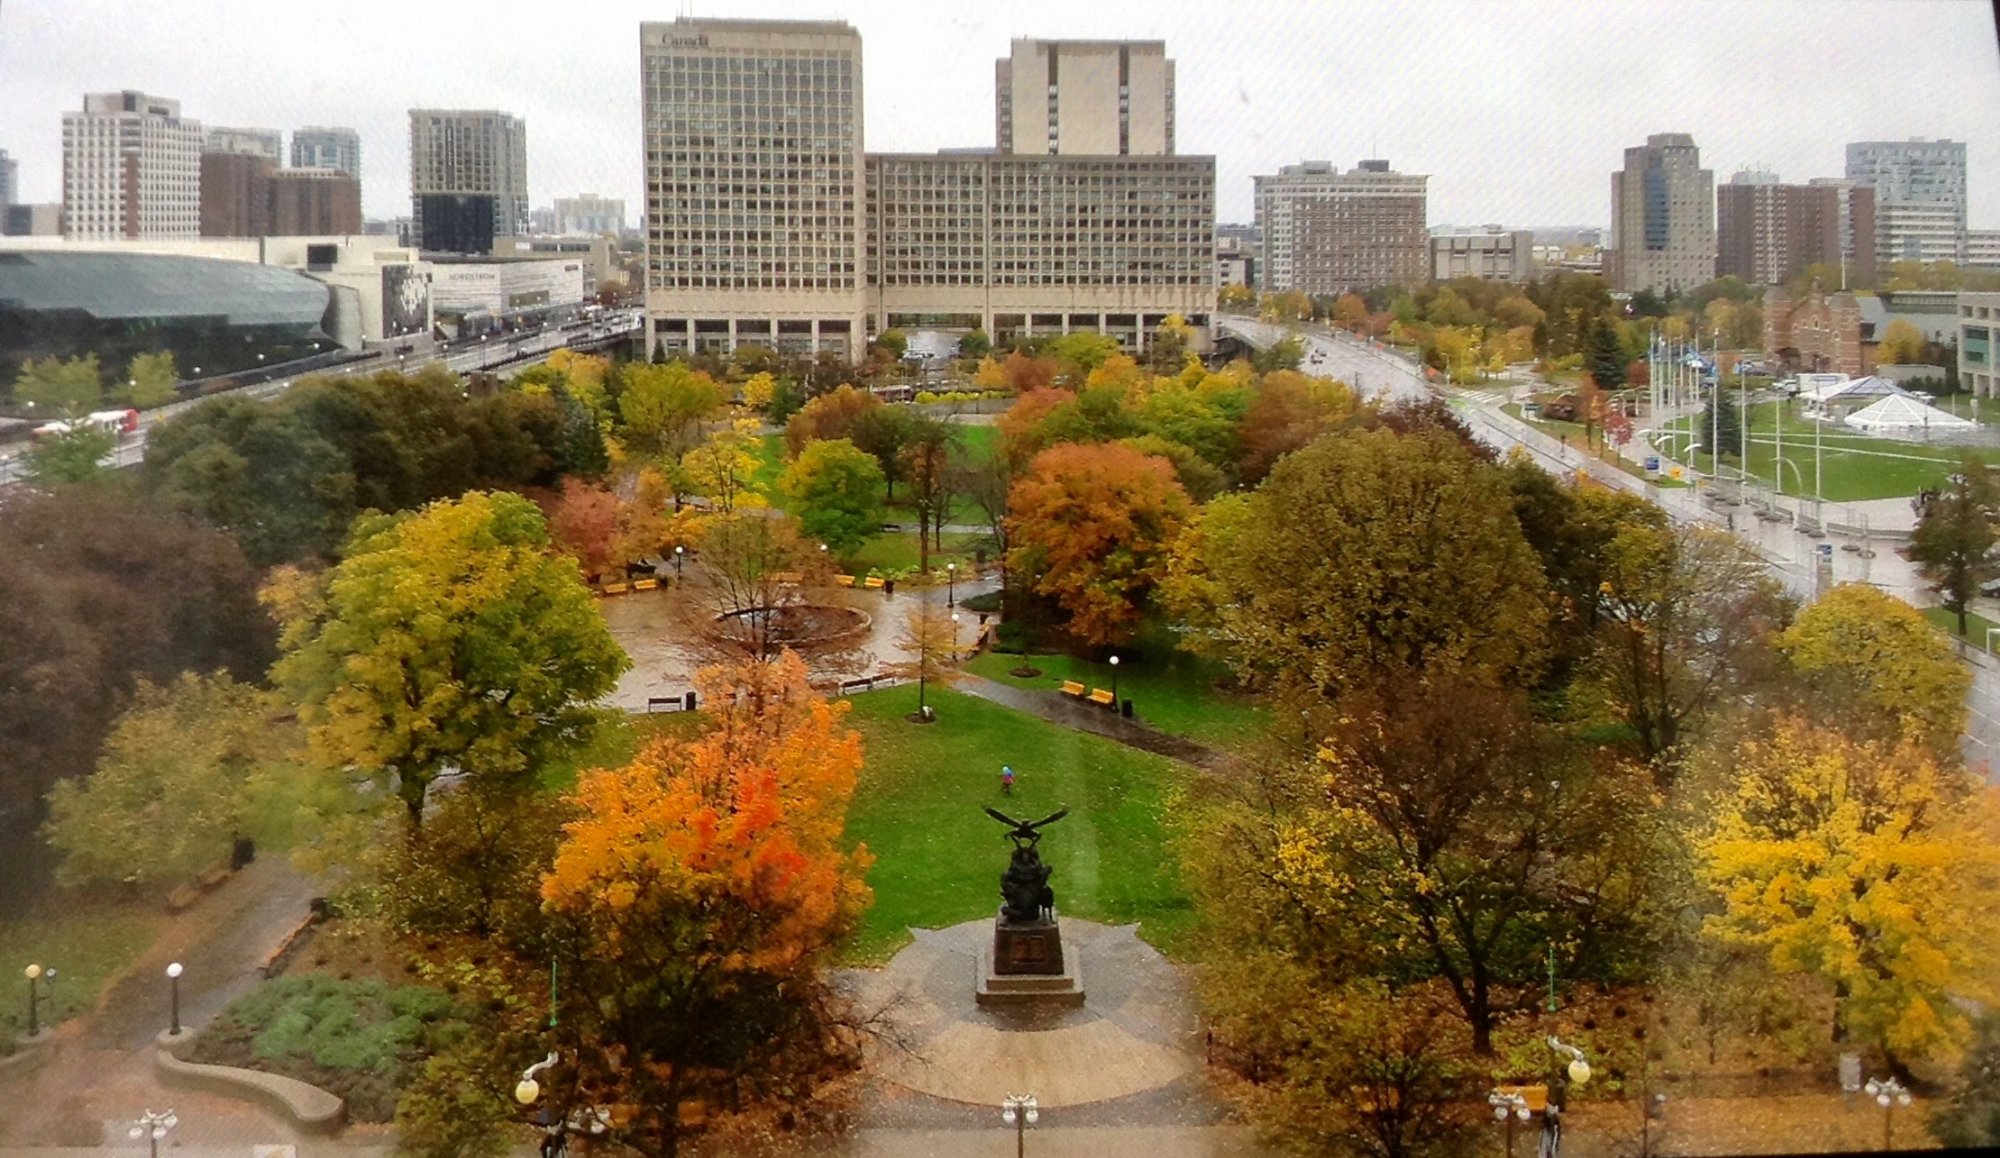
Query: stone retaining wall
point(311, 1109)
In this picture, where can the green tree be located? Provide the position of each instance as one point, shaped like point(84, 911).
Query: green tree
point(448, 639)
point(894, 342)
point(974, 344)
point(150, 379)
point(882, 432)
point(1953, 543)
point(1604, 353)
point(73, 456)
point(1719, 427)
point(836, 491)
point(1287, 353)
point(174, 788)
point(1970, 1113)
point(663, 408)
point(1083, 351)
point(58, 386)
point(260, 472)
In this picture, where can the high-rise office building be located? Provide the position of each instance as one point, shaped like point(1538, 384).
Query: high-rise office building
point(588, 213)
point(268, 143)
point(131, 168)
point(1328, 232)
point(755, 180)
point(468, 178)
point(10, 178)
point(320, 147)
point(1919, 196)
point(1662, 217)
point(1767, 232)
point(1085, 97)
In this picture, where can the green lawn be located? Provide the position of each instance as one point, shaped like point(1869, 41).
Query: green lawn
point(897, 551)
point(1580, 438)
point(1851, 466)
point(1975, 624)
point(1174, 692)
point(938, 857)
point(87, 945)
point(770, 464)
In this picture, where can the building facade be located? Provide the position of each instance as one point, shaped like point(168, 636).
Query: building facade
point(468, 178)
point(269, 143)
point(1767, 232)
point(10, 179)
point(244, 195)
point(1978, 318)
point(1814, 332)
point(1085, 98)
point(1662, 217)
point(755, 182)
point(1982, 248)
point(1025, 244)
point(131, 168)
point(1855, 213)
point(589, 213)
point(1326, 232)
point(1492, 254)
point(1919, 196)
point(323, 147)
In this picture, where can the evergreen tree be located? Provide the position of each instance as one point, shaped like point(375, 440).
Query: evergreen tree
point(1604, 354)
point(1720, 426)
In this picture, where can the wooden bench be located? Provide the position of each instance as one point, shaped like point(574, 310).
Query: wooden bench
point(873, 583)
point(788, 576)
point(1072, 688)
point(644, 584)
point(843, 580)
point(616, 588)
point(1102, 696)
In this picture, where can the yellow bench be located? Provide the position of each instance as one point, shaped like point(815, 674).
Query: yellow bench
point(872, 583)
point(788, 576)
point(645, 584)
point(1072, 688)
point(1101, 696)
point(844, 580)
point(617, 588)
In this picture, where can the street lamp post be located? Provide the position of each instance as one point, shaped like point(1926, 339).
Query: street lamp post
point(1508, 1107)
point(1020, 1112)
point(153, 1127)
point(1888, 1094)
point(678, 552)
point(1579, 1073)
point(951, 584)
point(1114, 683)
point(174, 987)
point(954, 637)
point(34, 974)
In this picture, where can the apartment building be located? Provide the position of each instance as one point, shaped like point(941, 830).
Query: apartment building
point(1768, 232)
point(1919, 196)
point(468, 178)
point(588, 213)
point(1662, 217)
point(1085, 98)
point(324, 147)
point(268, 143)
point(1327, 232)
point(131, 168)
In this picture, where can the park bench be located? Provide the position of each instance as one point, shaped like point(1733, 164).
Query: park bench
point(1072, 688)
point(788, 576)
point(873, 583)
point(616, 588)
point(843, 580)
point(644, 584)
point(1102, 696)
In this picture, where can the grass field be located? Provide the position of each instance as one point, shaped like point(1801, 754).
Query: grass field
point(86, 944)
point(897, 551)
point(1580, 438)
point(1975, 624)
point(1851, 466)
point(938, 857)
point(1174, 692)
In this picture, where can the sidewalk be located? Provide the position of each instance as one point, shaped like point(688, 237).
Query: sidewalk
point(1055, 708)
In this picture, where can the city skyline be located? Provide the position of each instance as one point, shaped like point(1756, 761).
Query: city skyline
point(1273, 84)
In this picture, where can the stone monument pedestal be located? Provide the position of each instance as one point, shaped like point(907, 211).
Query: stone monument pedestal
point(1026, 965)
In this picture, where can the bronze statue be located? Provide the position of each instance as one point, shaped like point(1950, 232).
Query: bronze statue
point(1024, 887)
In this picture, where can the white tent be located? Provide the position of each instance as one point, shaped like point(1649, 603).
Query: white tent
point(1854, 390)
point(1901, 413)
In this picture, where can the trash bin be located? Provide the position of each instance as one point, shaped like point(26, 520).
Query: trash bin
point(690, 701)
point(1125, 708)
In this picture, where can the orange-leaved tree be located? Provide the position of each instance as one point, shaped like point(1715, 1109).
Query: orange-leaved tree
point(583, 521)
point(698, 895)
point(1090, 526)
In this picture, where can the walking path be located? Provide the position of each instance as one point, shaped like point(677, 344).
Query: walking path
point(1059, 709)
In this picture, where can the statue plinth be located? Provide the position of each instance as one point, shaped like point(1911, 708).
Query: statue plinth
point(1026, 965)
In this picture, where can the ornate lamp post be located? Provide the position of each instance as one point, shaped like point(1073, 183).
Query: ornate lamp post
point(34, 974)
point(1508, 1107)
point(678, 552)
point(1888, 1094)
point(954, 637)
point(1020, 1112)
point(153, 1127)
point(528, 1089)
point(1114, 683)
point(951, 584)
point(1579, 1073)
point(174, 986)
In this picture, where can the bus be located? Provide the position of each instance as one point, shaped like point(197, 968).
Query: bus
point(116, 423)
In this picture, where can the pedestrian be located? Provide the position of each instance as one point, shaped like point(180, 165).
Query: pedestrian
point(888, 588)
point(1006, 780)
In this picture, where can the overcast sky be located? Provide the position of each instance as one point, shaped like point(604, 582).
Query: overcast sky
point(1517, 111)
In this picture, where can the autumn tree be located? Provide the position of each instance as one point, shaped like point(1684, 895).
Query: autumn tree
point(698, 896)
point(753, 564)
point(1350, 312)
point(836, 492)
point(831, 415)
point(929, 643)
point(723, 467)
point(151, 379)
point(1287, 411)
point(583, 520)
point(883, 432)
point(1867, 866)
point(1902, 343)
point(662, 408)
point(1361, 556)
point(927, 464)
point(1953, 544)
point(1687, 616)
point(1864, 653)
point(174, 788)
point(1021, 373)
point(1089, 527)
point(445, 640)
point(1168, 350)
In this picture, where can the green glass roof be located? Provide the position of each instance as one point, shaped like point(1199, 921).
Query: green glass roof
point(133, 285)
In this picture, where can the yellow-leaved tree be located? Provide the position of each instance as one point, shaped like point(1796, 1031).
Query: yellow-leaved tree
point(1868, 866)
point(1861, 651)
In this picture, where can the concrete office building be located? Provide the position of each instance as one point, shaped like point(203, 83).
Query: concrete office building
point(10, 178)
point(468, 178)
point(131, 168)
point(1025, 244)
point(1085, 97)
point(321, 147)
point(1491, 254)
point(1982, 248)
point(268, 143)
point(1919, 196)
point(589, 213)
point(1766, 233)
point(1326, 232)
point(1855, 214)
point(1978, 317)
point(755, 181)
point(1662, 217)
